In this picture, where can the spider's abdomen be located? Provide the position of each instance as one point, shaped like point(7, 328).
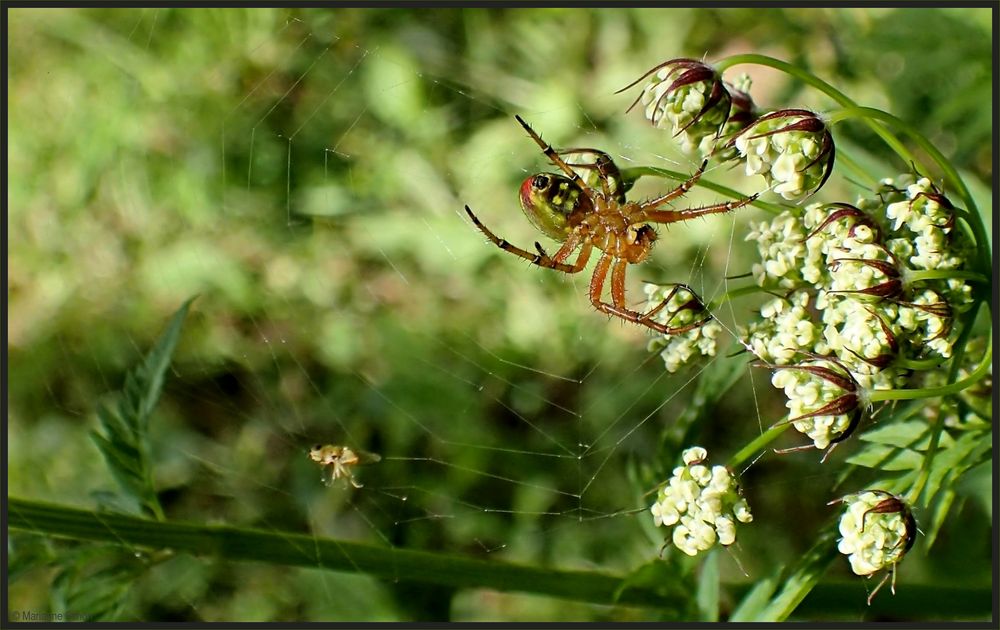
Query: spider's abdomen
point(553, 204)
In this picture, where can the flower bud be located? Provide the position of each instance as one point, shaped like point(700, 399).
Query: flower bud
point(677, 307)
point(792, 148)
point(704, 503)
point(689, 97)
point(823, 398)
point(877, 529)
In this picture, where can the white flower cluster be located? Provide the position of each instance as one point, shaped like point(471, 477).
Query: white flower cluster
point(682, 109)
point(792, 149)
point(851, 285)
point(785, 328)
point(677, 350)
point(701, 503)
point(876, 531)
point(742, 112)
point(808, 392)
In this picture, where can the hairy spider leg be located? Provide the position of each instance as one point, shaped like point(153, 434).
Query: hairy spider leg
point(542, 259)
point(622, 312)
point(554, 157)
point(663, 303)
point(649, 213)
point(601, 166)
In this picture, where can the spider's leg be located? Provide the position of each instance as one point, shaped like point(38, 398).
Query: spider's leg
point(621, 312)
point(676, 192)
point(694, 303)
point(672, 216)
point(618, 283)
point(601, 166)
point(535, 259)
point(569, 246)
point(553, 156)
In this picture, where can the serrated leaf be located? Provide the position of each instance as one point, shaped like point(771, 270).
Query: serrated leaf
point(941, 508)
point(150, 376)
point(954, 461)
point(882, 457)
point(119, 456)
point(94, 582)
point(914, 435)
point(112, 422)
point(667, 580)
point(803, 577)
point(124, 443)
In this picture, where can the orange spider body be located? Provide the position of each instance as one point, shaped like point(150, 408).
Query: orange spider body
point(615, 228)
point(583, 217)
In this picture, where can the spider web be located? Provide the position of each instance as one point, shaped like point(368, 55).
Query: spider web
point(384, 321)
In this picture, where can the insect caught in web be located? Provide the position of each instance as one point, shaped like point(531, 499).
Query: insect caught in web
point(337, 461)
point(584, 214)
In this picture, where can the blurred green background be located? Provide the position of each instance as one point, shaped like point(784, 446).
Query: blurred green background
point(304, 172)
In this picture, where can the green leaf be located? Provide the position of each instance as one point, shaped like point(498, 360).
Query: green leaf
point(802, 578)
point(124, 443)
point(707, 595)
point(913, 435)
point(753, 603)
point(882, 457)
point(94, 582)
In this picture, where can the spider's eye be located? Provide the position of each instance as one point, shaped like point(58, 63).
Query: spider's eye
point(317, 447)
point(540, 182)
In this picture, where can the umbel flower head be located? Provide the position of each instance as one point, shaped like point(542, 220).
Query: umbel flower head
point(868, 283)
point(876, 530)
point(688, 97)
point(702, 504)
point(792, 148)
point(824, 399)
point(677, 306)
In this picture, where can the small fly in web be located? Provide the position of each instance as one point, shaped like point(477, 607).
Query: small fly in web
point(337, 462)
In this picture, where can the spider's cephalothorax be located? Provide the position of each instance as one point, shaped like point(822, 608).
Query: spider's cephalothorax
point(584, 208)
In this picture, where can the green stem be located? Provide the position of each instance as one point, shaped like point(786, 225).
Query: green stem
point(298, 549)
point(630, 175)
point(881, 395)
point(972, 216)
point(918, 364)
point(874, 119)
point(734, 293)
point(757, 444)
point(842, 99)
point(945, 274)
point(938, 428)
point(277, 547)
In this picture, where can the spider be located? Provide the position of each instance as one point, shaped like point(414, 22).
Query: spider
point(337, 460)
point(582, 216)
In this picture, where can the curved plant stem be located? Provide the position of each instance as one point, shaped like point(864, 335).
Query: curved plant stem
point(630, 175)
point(971, 214)
point(842, 99)
point(946, 274)
point(734, 293)
point(977, 375)
point(304, 550)
point(875, 118)
point(755, 446)
point(938, 428)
